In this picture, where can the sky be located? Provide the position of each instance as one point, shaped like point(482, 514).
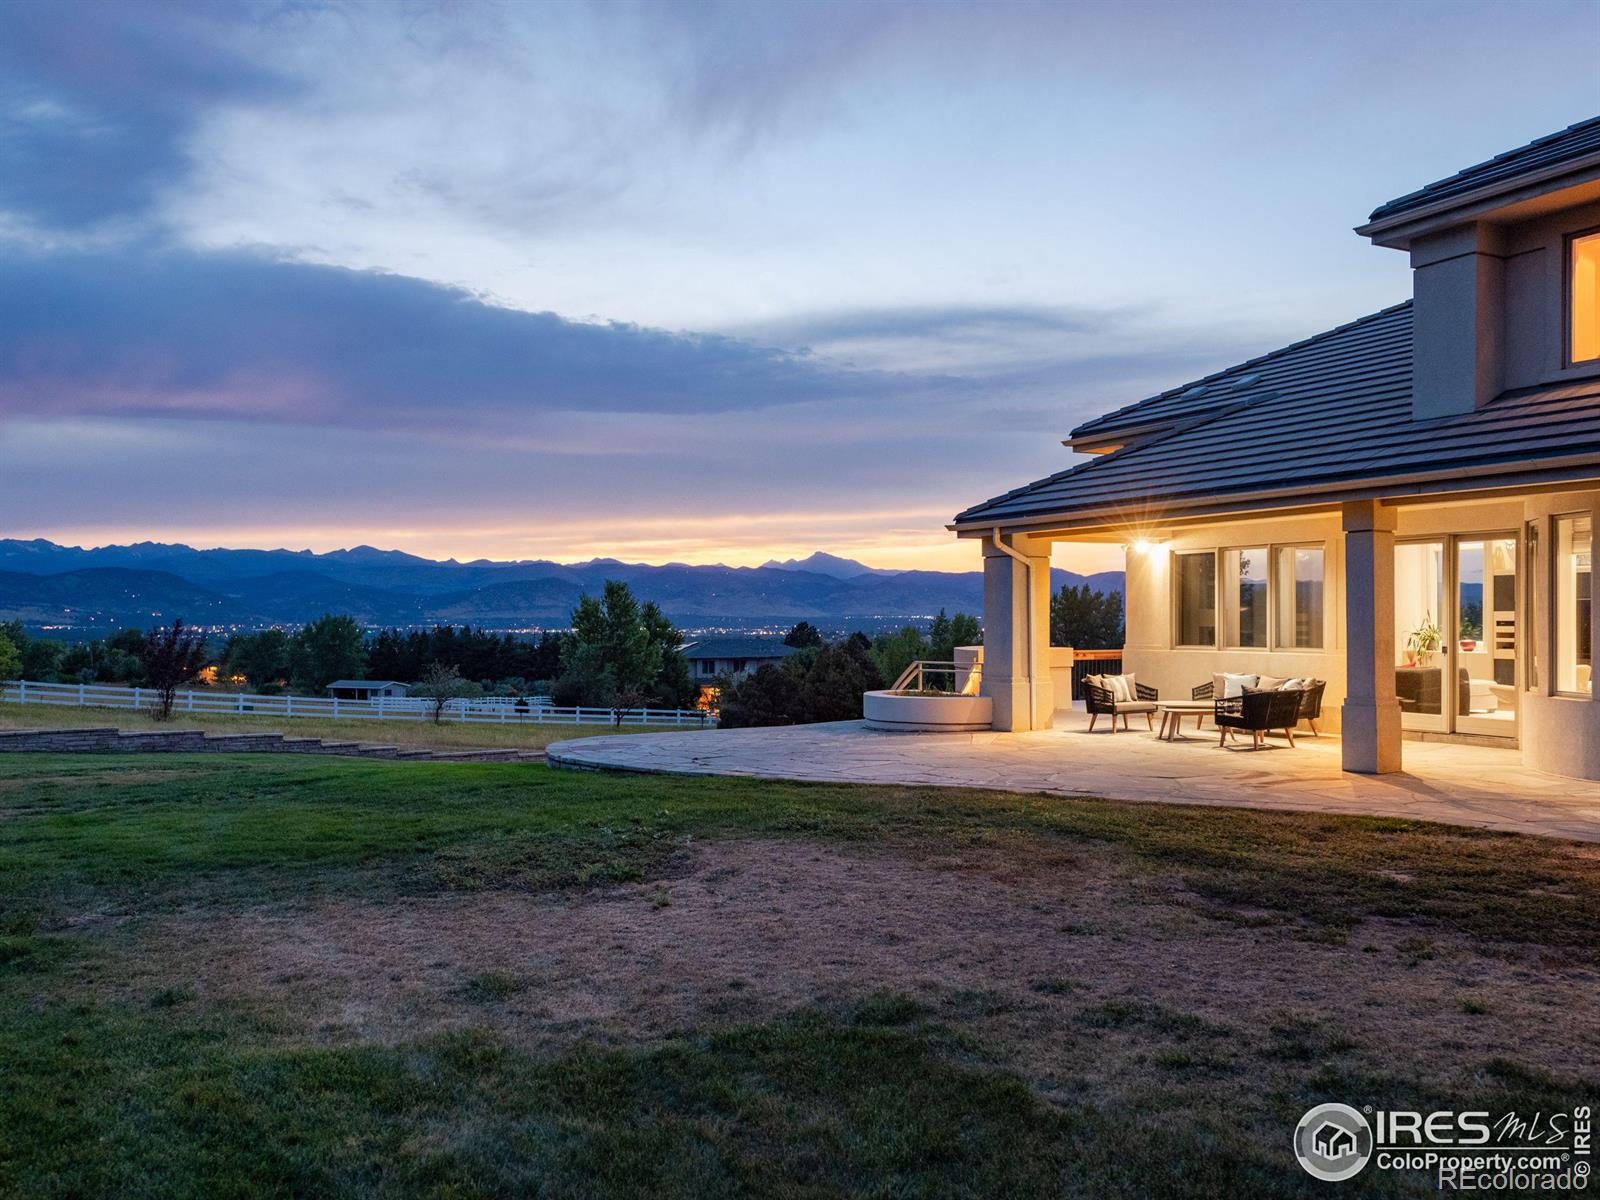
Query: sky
point(674, 281)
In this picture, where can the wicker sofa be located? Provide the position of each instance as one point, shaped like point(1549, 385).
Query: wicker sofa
point(1308, 710)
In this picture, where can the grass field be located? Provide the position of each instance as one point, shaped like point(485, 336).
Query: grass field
point(448, 735)
point(231, 976)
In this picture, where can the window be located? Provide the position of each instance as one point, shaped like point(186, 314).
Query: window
point(1297, 584)
point(1584, 298)
point(1244, 596)
point(1196, 576)
point(1573, 648)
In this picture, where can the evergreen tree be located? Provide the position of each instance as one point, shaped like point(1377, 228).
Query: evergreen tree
point(1086, 619)
point(803, 635)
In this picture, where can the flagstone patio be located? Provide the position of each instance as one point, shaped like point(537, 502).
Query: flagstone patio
point(1456, 784)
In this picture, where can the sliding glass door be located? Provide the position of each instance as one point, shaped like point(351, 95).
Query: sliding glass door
point(1422, 650)
point(1457, 633)
point(1486, 635)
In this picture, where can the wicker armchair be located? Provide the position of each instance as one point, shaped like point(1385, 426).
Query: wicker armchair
point(1257, 712)
point(1311, 703)
point(1101, 703)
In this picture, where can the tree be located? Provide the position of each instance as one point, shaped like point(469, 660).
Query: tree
point(10, 661)
point(262, 658)
point(172, 658)
point(673, 687)
point(832, 686)
point(819, 684)
point(619, 647)
point(769, 695)
point(802, 635)
point(327, 649)
point(894, 652)
point(440, 685)
point(1085, 619)
point(946, 633)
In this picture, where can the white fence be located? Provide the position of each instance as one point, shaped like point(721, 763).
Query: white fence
point(499, 710)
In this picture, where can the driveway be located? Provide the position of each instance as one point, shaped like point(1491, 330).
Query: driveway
point(1455, 784)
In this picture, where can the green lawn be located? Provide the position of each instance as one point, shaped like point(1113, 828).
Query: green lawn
point(138, 1063)
point(447, 735)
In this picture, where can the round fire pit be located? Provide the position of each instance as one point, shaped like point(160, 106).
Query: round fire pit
point(926, 712)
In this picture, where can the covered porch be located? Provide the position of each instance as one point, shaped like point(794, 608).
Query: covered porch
point(1441, 620)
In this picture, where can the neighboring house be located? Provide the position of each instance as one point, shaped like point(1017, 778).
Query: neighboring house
point(714, 658)
point(1403, 506)
point(365, 689)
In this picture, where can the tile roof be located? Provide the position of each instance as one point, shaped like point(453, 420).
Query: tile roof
point(1569, 145)
point(1330, 412)
point(737, 647)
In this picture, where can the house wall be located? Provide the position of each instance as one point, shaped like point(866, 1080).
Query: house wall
point(1490, 310)
point(1150, 651)
point(1558, 733)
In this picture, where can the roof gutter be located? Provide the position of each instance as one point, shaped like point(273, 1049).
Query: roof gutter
point(1380, 225)
point(1392, 486)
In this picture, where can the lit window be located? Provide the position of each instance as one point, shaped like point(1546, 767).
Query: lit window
point(1585, 301)
point(1197, 598)
point(1298, 583)
point(1244, 596)
point(1574, 650)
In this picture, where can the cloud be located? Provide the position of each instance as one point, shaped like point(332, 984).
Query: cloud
point(97, 99)
point(143, 332)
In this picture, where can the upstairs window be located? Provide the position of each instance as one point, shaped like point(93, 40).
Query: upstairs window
point(1584, 298)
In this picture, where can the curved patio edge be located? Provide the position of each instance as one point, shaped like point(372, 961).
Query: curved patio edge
point(1449, 784)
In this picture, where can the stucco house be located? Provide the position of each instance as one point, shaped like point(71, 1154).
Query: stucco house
point(1403, 506)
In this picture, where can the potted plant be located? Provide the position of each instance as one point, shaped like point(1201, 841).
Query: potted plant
point(1423, 642)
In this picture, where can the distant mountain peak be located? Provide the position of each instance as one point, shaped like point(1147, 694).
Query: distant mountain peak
point(820, 562)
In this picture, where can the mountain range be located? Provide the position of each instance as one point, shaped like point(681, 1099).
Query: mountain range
point(50, 585)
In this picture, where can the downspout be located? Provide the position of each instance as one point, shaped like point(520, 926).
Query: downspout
point(1027, 566)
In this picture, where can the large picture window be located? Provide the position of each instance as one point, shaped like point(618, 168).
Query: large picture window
point(1196, 576)
point(1583, 298)
point(1298, 585)
point(1573, 594)
point(1244, 597)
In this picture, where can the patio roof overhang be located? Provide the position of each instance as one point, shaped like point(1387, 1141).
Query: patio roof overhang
point(1114, 522)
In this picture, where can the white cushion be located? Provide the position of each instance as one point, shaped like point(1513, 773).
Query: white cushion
point(1122, 688)
point(1228, 687)
point(1289, 685)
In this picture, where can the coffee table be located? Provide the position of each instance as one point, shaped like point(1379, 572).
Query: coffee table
point(1174, 711)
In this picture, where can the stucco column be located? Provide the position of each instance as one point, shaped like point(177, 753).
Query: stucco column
point(1016, 633)
point(1371, 715)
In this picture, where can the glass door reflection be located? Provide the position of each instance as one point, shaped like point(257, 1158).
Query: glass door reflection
point(1422, 645)
point(1486, 632)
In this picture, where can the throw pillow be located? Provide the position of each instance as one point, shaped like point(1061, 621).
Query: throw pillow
point(1234, 685)
point(1270, 683)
